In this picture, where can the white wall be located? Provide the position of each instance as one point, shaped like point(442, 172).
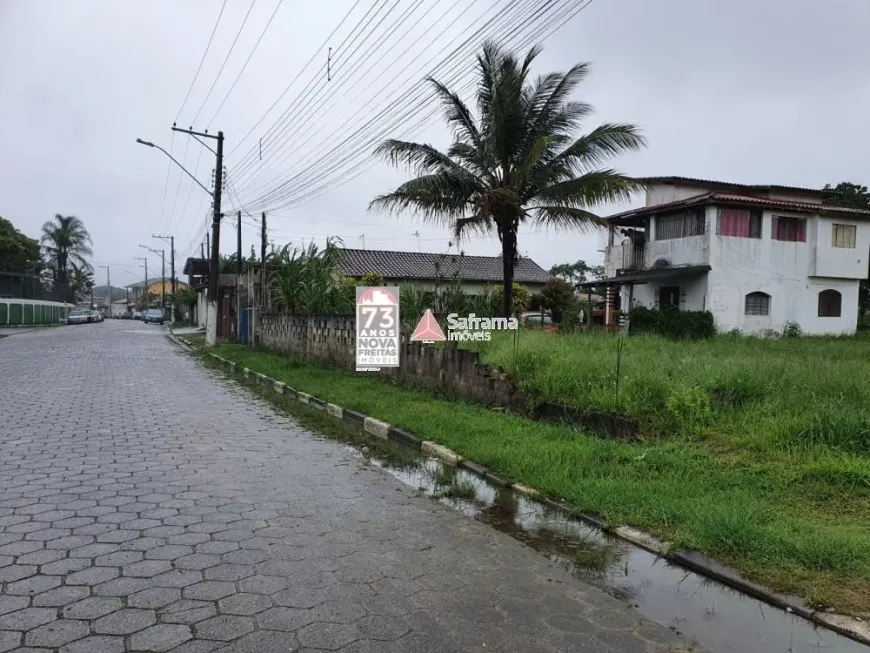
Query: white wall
point(664, 193)
point(693, 293)
point(839, 262)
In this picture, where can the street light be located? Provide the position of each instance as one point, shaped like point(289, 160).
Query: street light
point(157, 147)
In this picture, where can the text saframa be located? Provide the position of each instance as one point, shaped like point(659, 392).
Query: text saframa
point(477, 328)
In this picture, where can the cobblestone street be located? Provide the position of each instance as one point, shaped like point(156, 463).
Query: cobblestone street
point(147, 504)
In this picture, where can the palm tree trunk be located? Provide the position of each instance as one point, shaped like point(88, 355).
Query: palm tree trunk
point(508, 258)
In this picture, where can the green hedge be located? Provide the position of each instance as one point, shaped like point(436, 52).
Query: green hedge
point(673, 323)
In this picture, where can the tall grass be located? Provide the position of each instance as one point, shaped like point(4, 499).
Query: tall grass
point(791, 393)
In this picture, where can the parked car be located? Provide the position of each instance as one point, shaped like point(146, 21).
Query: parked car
point(537, 320)
point(153, 316)
point(98, 317)
point(137, 315)
point(79, 316)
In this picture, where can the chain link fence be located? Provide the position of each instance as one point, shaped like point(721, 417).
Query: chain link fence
point(15, 285)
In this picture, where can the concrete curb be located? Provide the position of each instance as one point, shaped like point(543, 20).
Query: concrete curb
point(844, 625)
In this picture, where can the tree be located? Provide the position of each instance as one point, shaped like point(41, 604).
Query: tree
point(514, 163)
point(557, 296)
point(853, 196)
point(66, 243)
point(577, 273)
point(846, 194)
point(18, 253)
point(81, 284)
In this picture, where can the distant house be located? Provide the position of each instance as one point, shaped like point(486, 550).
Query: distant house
point(156, 288)
point(757, 257)
point(475, 272)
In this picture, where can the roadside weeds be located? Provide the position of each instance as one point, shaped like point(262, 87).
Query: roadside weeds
point(627, 483)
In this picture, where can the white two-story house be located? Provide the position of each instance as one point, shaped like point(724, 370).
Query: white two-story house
point(756, 257)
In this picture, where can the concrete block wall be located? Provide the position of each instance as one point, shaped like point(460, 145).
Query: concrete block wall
point(329, 340)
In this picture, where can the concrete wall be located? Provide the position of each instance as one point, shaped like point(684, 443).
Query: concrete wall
point(839, 262)
point(664, 193)
point(31, 311)
point(329, 340)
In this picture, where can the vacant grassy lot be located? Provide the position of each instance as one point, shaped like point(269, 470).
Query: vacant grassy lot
point(787, 505)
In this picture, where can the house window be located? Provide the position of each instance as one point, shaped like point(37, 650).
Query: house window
point(757, 303)
point(669, 296)
point(830, 303)
point(680, 225)
point(792, 230)
point(740, 223)
point(844, 235)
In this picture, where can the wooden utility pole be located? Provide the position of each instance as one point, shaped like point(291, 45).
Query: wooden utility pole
point(214, 245)
point(263, 241)
point(239, 275)
point(171, 241)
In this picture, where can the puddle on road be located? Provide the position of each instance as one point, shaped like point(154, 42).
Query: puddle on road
point(717, 617)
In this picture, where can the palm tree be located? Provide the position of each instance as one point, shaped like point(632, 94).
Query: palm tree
point(66, 242)
point(516, 162)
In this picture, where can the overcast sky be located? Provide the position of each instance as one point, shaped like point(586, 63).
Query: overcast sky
point(744, 91)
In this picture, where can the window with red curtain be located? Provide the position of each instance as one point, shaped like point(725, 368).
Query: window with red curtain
point(740, 223)
point(734, 222)
point(792, 230)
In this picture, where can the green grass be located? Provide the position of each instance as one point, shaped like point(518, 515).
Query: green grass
point(794, 517)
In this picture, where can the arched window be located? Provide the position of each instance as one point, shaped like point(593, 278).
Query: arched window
point(830, 303)
point(757, 303)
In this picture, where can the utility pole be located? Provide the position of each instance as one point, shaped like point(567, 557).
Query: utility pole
point(263, 243)
point(145, 287)
point(214, 268)
point(171, 241)
point(201, 250)
point(162, 253)
point(108, 290)
point(239, 275)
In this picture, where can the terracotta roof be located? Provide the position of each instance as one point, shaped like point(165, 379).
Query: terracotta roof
point(728, 198)
point(693, 181)
point(422, 266)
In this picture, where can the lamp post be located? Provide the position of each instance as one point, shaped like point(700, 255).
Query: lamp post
point(214, 268)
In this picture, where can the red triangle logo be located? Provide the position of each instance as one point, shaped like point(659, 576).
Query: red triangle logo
point(428, 329)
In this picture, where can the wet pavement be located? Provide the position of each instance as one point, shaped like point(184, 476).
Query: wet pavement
point(145, 505)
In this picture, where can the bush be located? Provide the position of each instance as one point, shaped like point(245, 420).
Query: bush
point(673, 323)
point(557, 297)
point(372, 279)
point(520, 299)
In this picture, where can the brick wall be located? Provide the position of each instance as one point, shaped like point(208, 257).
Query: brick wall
point(329, 340)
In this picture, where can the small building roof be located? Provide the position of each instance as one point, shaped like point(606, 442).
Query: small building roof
point(632, 217)
point(196, 267)
point(425, 266)
point(723, 185)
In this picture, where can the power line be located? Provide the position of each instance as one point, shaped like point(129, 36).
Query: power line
point(223, 65)
point(166, 183)
point(245, 65)
point(201, 61)
point(242, 165)
point(400, 100)
point(366, 57)
point(401, 108)
point(290, 85)
point(315, 176)
point(180, 177)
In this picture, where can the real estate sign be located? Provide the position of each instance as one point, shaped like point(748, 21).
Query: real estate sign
point(378, 329)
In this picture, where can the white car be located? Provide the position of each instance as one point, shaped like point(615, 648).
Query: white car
point(79, 316)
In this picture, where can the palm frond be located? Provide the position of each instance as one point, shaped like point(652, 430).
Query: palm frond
point(601, 144)
point(439, 197)
point(421, 158)
point(564, 218)
point(591, 189)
